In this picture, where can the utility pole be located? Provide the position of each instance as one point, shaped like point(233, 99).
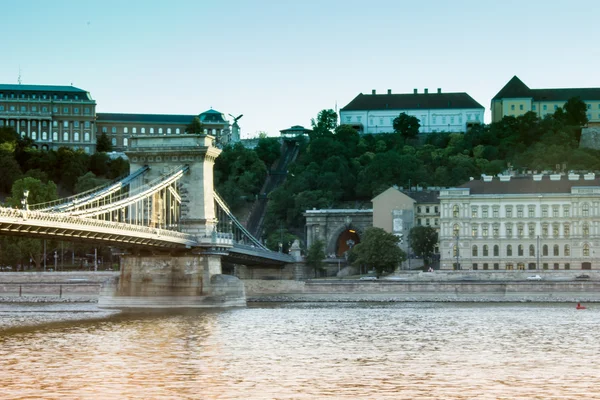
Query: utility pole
point(95, 259)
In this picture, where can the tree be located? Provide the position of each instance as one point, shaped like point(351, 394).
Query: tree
point(315, 256)
point(268, 150)
point(195, 127)
point(89, 181)
point(10, 171)
point(575, 110)
point(103, 143)
point(407, 126)
point(325, 123)
point(378, 249)
point(39, 192)
point(423, 240)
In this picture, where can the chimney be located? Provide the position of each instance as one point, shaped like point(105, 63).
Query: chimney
point(426, 91)
point(439, 90)
point(389, 91)
point(415, 91)
point(373, 91)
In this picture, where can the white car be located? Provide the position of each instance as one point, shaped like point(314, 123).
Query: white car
point(534, 278)
point(368, 278)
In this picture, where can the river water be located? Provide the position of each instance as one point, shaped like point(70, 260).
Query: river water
point(308, 351)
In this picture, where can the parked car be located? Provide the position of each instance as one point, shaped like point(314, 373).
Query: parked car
point(534, 278)
point(368, 278)
point(582, 276)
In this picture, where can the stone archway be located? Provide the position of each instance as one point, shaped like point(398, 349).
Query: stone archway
point(347, 239)
point(335, 227)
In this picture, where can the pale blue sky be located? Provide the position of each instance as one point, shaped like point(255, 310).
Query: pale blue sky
point(280, 62)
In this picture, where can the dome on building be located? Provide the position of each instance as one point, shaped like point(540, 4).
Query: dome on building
point(212, 117)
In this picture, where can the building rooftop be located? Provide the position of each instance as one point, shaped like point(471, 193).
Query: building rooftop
point(411, 101)
point(296, 129)
point(515, 88)
point(424, 196)
point(529, 184)
point(212, 117)
point(40, 88)
point(145, 118)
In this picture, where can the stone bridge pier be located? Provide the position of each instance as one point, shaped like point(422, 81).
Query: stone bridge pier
point(191, 277)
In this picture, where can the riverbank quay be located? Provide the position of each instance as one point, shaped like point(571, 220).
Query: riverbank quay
point(52, 287)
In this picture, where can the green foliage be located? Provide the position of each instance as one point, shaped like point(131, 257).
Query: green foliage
point(118, 168)
point(103, 143)
point(324, 125)
point(423, 240)
point(379, 250)
point(407, 126)
point(89, 181)
point(11, 171)
point(315, 256)
point(39, 192)
point(195, 127)
point(282, 236)
point(268, 150)
point(575, 110)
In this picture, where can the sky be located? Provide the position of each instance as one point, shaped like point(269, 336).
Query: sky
point(279, 62)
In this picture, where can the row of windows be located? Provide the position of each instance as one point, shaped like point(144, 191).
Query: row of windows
point(65, 136)
point(520, 211)
point(510, 266)
point(55, 110)
point(142, 130)
point(585, 230)
point(521, 250)
point(422, 119)
point(428, 221)
point(36, 96)
point(43, 124)
point(428, 209)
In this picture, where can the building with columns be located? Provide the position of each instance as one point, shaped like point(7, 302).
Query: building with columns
point(535, 222)
point(516, 99)
point(436, 112)
point(52, 116)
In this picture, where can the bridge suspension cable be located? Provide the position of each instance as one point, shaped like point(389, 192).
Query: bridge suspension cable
point(222, 206)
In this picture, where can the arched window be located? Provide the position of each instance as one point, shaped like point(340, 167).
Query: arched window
point(496, 250)
point(160, 131)
point(113, 141)
point(586, 229)
point(455, 230)
point(585, 210)
point(76, 136)
point(125, 142)
point(485, 250)
point(455, 211)
point(65, 136)
point(143, 130)
point(567, 250)
point(177, 131)
point(34, 135)
point(586, 250)
point(545, 250)
point(520, 250)
point(86, 136)
point(509, 250)
point(168, 131)
point(474, 251)
point(44, 135)
point(55, 136)
point(556, 250)
point(531, 250)
point(152, 130)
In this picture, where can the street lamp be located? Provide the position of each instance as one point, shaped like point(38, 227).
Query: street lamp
point(24, 200)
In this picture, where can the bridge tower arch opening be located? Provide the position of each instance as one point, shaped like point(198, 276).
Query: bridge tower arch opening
point(347, 239)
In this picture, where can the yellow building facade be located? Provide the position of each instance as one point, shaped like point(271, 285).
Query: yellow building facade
point(516, 99)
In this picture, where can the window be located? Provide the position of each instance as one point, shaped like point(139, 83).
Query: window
point(509, 266)
point(545, 107)
point(585, 210)
point(76, 124)
point(76, 110)
point(512, 107)
point(508, 211)
point(484, 231)
point(520, 250)
point(567, 211)
point(484, 212)
point(44, 135)
point(55, 136)
point(86, 136)
point(520, 230)
point(545, 230)
point(496, 251)
point(455, 230)
point(555, 107)
point(34, 135)
point(419, 221)
point(125, 142)
point(567, 265)
point(589, 106)
point(151, 130)
point(125, 130)
point(586, 230)
point(76, 136)
point(435, 222)
point(114, 129)
point(86, 124)
point(134, 130)
point(160, 130)
point(496, 212)
point(496, 266)
point(86, 110)
point(555, 230)
point(104, 129)
point(555, 265)
point(426, 221)
point(474, 251)
point(531, 212)
point(533, 107)
point(545, 250)
point(419, 210)
point(143, 130)
point(509, 250)
point(474, 212)
point(22, 123)
point(34, 108)
point(485, 266)
point(520, 106)
point(426, 210)
point(65, 136)
point(474, 231)
point(531, 230)
point(520, 212)
point(113, 141)
point(509, 231)
point(567, 230)
point(23, 108)
point(485, 250)
point(177, 131)
point(556, 250)
point(168, 131)
point(531, 250)
point(455, 211)
point(567, 250)
point(65, 110)
point(496, 231)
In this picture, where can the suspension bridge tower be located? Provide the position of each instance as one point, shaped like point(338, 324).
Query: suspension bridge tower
point(191, 277)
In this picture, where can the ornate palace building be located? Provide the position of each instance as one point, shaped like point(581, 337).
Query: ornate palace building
point(65, 116)
point(436, 112)
point(531, 222)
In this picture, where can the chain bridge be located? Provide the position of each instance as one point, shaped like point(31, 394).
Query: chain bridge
point(165, 212)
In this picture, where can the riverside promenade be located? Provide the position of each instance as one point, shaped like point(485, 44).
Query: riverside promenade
point(442, 286)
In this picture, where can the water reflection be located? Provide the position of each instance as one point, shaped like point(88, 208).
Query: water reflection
point(296, 351)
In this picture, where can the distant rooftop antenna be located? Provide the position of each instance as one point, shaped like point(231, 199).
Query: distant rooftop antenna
point(19, 78)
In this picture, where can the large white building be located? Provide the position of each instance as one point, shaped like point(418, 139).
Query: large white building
point(437, 112)
point(532, 222)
